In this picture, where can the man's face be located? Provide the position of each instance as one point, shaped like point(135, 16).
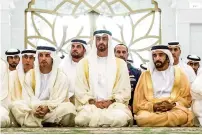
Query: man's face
point(28, 62)
point(77, 50)
point(194, 65)
point(159, 59)
point(121, 52)
point(45, 59)
point(175, 52)
point(102, 43)
point(13, 61)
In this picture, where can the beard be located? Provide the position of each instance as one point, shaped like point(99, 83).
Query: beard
point(13, 65)
point(76, 55)
point(44, 64)
point(159, 64)
point(101, 47)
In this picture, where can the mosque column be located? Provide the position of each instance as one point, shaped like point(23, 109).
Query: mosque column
point(18, 23)
point(168, 20)
point(5, 26)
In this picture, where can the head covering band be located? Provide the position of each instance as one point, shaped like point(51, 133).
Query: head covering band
point(102, 32)
point(13, 53)
point(46, 48)
point(79, 41)
point(28, 51)
point(195, 58)
point(159, 47)
point(143, 66)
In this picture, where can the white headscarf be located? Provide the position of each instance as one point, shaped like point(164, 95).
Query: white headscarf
point(166, 51)
point(162, 80)
point(4, 80)
point(67, 62)
point(20, 68)
point(93, 64)
point(193, 58)
point(53, 75)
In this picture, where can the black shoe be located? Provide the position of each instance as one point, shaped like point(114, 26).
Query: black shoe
point(49, 124)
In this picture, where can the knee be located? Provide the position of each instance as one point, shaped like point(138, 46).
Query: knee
point(121, 119)
point(5, 120)
point(68, 120)
point(66, 107)
point(82, 120)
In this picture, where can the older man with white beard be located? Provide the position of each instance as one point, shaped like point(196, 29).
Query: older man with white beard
point(44, 93)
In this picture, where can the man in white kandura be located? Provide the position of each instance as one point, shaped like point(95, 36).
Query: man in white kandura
point(194, 62)
point(13, 58)
point(196, 92)
point(5, 120)
point(175, 49)
point(78, 50)
point(44, 92)
point(102, 86)
point(16, 77)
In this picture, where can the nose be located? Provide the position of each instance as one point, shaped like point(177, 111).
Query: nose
point(121, 54)
point(43, 57)
point(28, 59)
point(158, 57)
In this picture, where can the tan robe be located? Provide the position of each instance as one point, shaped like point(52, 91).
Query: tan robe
point(117, 114)
point(144, 100)
point(60, 111)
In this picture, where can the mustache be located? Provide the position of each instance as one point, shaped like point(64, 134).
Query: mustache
point(158, 62)
point(43, 61)
point(101, 44)
point(14, 63)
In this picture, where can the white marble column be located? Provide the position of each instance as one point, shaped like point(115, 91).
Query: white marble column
point(5, 27)
point(18, 23)
point(168, 20)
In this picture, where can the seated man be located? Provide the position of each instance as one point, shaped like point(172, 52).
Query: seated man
point(13, 58)
point(162, 96)
point(196, 91)
point(102, 86)
point(78, 50)
point(5, 120)
point(175, 49)
point(121, 51)
point(44, 92)
point(194, 62)
point(16, 77)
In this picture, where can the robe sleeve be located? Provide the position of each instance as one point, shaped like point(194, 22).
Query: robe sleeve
point(183, 94)
point(27, 90)
point(82, 89)
point(140, 102)
point(5, 98)
point(60, 92)
point(196, 87)
point(122, 90)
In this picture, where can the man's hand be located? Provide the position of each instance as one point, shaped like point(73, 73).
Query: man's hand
point(101, 104)
point(41, 111)
point(167, 106)
point(163, 106)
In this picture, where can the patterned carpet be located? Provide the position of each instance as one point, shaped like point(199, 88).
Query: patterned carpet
point(126, 130)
